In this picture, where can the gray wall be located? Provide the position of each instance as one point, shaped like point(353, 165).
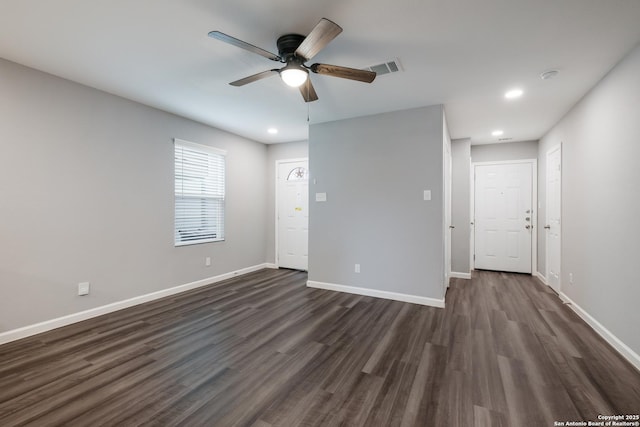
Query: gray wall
point(374, 170)
point(504, 151)
point(291, 150)
point(460, 205)
point(601, 200)
point(86, 180)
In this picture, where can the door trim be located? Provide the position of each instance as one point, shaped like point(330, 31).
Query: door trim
point(277, 237)
point(534, 207)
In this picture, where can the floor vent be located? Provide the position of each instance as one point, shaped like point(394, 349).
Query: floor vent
point(389, 67)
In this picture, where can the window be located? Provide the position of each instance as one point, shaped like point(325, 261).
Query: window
point(298, 174)
point(199, 193)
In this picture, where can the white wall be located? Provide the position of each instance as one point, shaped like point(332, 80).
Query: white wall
point(504, 151)
point(86, 180)
point(290, 150)
point(601, 200)
point(374, 170)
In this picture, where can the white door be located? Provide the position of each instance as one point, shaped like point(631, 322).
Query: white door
point(503, 217)
point(553, 211)
point(448, 227)
point(293, 214)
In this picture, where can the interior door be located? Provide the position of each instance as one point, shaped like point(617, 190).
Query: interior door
point(553, 213)
point(293, 214)
point(447, 213)
point(503, 217)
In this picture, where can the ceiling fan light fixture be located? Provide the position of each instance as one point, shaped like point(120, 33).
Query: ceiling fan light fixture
point(294, 75)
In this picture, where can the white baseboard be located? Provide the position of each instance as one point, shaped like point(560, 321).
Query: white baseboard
point(614, 341)
point(378, 294)
point(48, 325)
point(541, 277)
point(270, 265)
point(457, 275)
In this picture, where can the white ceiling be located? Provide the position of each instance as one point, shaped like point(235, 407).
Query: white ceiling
point(464, 54)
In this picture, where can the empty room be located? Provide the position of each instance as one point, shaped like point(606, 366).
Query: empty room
point(319, 213)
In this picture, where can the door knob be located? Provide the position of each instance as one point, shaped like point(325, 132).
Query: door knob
point(527, 226)
point(548, 227)
point(452, 226)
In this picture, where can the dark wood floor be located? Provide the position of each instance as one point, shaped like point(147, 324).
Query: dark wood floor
point(264, 350)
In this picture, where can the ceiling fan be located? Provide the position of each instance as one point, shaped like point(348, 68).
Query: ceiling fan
point(294, 50)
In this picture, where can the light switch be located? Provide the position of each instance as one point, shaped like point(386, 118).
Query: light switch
point(427, 194)
point(321, 197)
point(83, 288)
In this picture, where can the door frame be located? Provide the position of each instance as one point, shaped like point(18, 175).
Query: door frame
point(534, 208)
point(546, 207)
point(277, 200)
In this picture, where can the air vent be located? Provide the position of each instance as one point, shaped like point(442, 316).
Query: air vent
point(549, 74)
point(504, 139)
point(389, 67)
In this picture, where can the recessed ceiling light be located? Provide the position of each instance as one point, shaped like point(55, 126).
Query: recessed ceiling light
point(513, 93)
point(549, 74)
point(497, 133)
point(272, 131)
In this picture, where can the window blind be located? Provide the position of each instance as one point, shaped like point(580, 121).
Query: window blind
point(199, 193)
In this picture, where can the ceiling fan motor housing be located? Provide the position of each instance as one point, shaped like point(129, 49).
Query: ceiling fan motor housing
point(288, 44)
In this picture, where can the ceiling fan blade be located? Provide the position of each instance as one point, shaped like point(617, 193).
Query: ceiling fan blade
point(344, 72)
point(318, 38)
point(255, 77)
point(308, 92)
point(244, 45)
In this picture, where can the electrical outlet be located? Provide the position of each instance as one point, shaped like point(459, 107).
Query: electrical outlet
point(207, 261)
point(83, 288)
point(357, 269)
